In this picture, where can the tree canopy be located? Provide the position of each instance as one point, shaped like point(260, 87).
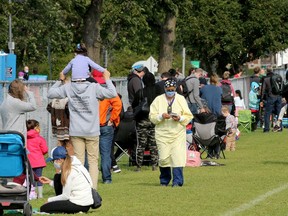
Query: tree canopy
point(215, 32)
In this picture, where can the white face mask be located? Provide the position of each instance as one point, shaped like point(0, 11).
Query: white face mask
point(56, 165)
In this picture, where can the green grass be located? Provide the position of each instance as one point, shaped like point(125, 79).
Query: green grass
point(250, 176)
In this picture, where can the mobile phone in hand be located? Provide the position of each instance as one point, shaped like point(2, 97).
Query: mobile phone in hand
point(174, 114)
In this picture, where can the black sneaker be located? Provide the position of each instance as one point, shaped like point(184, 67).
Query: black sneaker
point(116, 169)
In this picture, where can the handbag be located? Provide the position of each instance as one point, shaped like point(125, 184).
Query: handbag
point(95, 195)
point(193, 158)
point(97, 199)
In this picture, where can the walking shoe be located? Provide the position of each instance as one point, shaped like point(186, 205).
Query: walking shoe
point(107, 182)
point(33, 194)
point(116, 169)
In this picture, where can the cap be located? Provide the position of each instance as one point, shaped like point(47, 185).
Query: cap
point(58, 152)
point(139, 67)
point(170, 83)
point(98, 76)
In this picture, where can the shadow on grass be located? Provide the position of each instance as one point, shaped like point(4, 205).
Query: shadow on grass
point(276, 162)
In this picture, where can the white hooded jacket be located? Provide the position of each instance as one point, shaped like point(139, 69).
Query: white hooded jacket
point(77, 189)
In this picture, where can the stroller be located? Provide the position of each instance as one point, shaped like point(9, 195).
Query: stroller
point(209, 133)
point(14, 163)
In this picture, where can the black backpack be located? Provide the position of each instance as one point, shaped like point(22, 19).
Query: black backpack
point(277, 84)
point(284, 92)
point(185, 92)
point(226, 93)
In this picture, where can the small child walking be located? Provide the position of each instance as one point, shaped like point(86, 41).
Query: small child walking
point(231, 128)
point(81, 65)
point(37, 148)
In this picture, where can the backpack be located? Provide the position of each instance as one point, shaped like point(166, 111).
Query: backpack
point(277, 84)
point(284, 92)
point(226, 93)
point(185, 92)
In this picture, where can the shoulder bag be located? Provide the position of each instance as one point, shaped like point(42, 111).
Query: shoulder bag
point(96, 196)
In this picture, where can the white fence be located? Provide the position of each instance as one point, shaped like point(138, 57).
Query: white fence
point(40, 89)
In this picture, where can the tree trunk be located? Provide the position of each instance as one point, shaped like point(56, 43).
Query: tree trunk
point(91, 35)
point(167, 39)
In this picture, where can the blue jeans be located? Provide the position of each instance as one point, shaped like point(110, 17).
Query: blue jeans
point(165, 175)
point(105, 142)
point(271, 105)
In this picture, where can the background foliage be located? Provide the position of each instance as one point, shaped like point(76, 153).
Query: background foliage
point(215, 32)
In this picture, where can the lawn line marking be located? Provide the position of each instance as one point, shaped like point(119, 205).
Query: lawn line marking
point(254, 202)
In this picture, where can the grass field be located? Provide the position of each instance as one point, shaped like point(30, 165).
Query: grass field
point(252, 182)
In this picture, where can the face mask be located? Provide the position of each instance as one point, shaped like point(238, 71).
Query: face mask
point(56, 165)
point(170, 93)
point(26, 71)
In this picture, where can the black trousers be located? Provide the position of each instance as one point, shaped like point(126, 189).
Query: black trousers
point(63, 206)
point(57, 184)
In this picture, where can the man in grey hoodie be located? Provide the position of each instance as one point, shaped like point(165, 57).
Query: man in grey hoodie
point(193, 85)
point(83, 106)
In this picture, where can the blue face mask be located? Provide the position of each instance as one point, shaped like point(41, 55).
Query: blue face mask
point(170, 93)
point(56, 165)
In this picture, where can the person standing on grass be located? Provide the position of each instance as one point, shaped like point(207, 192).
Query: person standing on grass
point(212, 95)
point(239, 102)
point(109, 115)
point(144, 127)
point(84, 128)
point(231, 128)
point(170, 114)
point(37, 148)
point(13, 109)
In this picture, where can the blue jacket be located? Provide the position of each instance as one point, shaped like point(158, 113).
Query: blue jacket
point(254, 101)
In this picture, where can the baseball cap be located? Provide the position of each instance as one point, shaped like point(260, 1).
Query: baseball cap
point(139, 67)
point(58, 152)
point(98, 76)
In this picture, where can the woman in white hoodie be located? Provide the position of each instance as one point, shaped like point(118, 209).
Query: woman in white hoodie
point(76, 181)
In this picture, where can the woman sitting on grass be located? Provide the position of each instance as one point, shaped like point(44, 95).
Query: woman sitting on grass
point(76, 195)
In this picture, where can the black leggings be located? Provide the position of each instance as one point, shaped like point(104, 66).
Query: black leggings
point(63, 206)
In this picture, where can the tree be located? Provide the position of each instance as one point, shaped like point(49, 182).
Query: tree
point(91, 35)
point(212, 33)
point(233, 31)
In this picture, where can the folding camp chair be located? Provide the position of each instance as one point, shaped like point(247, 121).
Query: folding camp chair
point(205, 135)
point(125, 137)
point(245, 120)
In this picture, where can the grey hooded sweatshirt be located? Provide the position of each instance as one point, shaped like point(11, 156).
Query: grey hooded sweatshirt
point(83, 104)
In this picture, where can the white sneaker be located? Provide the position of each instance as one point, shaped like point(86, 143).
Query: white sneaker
point(33, 194)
